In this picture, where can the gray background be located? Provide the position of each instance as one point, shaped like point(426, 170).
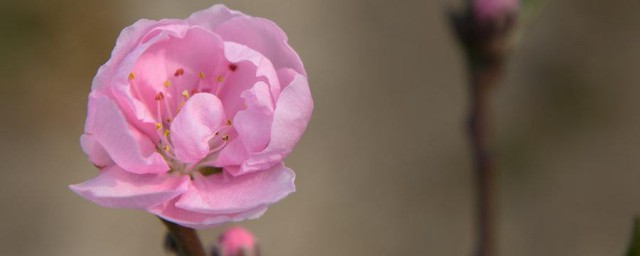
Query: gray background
point(383, 168)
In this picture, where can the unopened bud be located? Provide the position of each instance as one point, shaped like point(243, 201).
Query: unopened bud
point(491, 10)
point(237, 241)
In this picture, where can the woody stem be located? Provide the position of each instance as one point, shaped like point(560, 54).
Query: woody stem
point(186, 239)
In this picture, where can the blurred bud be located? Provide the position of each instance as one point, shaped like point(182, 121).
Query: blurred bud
point(237, 241)
point(494, 10)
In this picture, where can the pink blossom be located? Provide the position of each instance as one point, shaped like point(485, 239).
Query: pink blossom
point(191, 119)
point(237, 241)
point(487, 10)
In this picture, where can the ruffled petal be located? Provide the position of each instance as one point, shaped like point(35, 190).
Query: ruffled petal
point(250, 67)
point(224, 194)
point(117, 188)
point(170, 212)
point(213, 16)
point(195, 125)
point(254, 123)
point(126, 146)
point(291, 116)
point(97, 154)
point(263, 36)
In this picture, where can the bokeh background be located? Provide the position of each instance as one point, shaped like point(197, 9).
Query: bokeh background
point(384, 167)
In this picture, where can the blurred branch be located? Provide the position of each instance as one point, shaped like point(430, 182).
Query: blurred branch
point(185, 239)
point(486, 44)
point(634, 244)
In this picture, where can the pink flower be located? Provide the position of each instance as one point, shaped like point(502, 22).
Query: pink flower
point(237, 241)
point(487, 10)
point(191, 119)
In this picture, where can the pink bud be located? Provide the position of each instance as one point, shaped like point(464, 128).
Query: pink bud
point(237, 241)
point(486, 10)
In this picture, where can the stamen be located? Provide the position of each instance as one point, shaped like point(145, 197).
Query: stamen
point(168, 120)
point(216, 134)
point(159, 96)
point(178, 72)
point(132, 76)
point(233, 67)
point(225, 138)
point(219, 79)
point(201, 75)
point(158, 126)
point(165, 148)
point(166, 133)
point(228, 122)
point(167, 83)
point(185, 93)
point(169, 112)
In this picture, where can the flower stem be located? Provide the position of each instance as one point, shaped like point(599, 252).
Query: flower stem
point(486, 47)
point(481, 82)
point(186, 239)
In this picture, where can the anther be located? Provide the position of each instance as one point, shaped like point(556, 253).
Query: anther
point(201, 75)
point(158, 126)
point(228, 122)
point(225, 138)
point(233, 67)
point(216, 134)
point(219, 78)
point(166, 133)
point(178, 72)
point(165, 148)
point(167, 83)
point(185, 93)
point(132, 76)
point(159, 96)
point(168, 120)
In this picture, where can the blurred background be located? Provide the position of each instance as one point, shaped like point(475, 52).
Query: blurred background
point(384, 168)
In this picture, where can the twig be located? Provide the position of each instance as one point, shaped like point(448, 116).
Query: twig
point(186, 239)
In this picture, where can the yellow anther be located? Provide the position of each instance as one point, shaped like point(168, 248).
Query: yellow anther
point(165, 148)
point(158, 125)
point(219, 78)
point(167, 83)
point(166, 133)
point(131, 76)
point(228, 122)
point(225, 138)
point(201, 75)
point(185, 93)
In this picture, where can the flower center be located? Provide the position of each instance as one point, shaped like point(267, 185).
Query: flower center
point(169, 100)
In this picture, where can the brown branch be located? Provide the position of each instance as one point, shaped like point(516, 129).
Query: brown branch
point(186, 239)
point(486, 47)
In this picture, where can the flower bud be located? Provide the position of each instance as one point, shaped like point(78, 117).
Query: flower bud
point(490, 10)
point(237, 241)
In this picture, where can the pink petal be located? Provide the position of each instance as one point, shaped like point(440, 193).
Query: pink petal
point(128, 148)
point(97, 154)
point(251, 67)
point(224, 194)
point(265, 37)
point(254, 123)
point(128, 39)
point(291, 116)
point(234, 153)
point(159, 62)
point(195, 125)
point(115, 187)
point(212, 17)
point(196, 220)
point(112, 78)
